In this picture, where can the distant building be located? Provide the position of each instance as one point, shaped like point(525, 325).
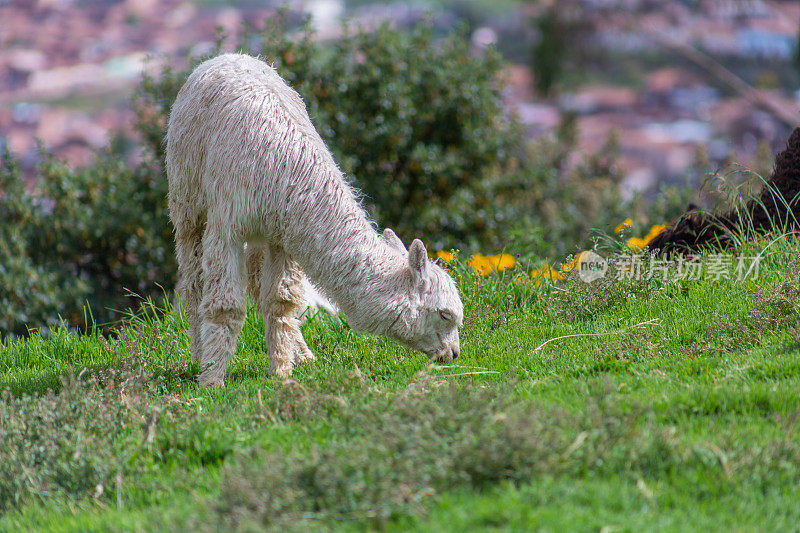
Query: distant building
point(765, 44)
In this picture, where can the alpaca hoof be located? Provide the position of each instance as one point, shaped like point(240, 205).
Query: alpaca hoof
point(210, 381)
point(304, 355)
point(281, 371)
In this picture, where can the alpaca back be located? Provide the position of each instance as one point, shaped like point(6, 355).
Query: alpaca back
point(242, 151)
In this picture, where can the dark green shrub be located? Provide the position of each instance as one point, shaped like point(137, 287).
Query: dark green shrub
point(82, 235)
point(565, 47)
point(560, 199)
point(548, 54)
point(422, 128)
point(30, 292)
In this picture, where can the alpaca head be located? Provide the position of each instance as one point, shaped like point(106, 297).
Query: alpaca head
point(432, 310)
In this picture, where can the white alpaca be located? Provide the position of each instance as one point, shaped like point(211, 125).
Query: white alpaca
point(245, 165)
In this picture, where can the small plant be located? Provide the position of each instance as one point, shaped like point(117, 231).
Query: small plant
point(74, 443)
point(576, 299)
point(777, 309)
point(409, 448)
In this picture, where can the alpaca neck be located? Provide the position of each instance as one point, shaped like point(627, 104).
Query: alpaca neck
point(364, 278)
point(350, 262)
point(369, 289)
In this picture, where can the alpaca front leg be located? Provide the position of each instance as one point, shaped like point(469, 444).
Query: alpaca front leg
point(280, 346)
point(223, 306)
point(280, 303)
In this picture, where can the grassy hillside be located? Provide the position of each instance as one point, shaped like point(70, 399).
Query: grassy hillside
point(669, 405)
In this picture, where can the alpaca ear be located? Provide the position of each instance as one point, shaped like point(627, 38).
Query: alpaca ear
point(418, 261)
point(391, 238)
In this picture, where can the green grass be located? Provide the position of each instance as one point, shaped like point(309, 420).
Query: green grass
point(685, 422)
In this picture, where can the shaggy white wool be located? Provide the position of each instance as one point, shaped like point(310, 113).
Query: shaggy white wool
point(245, 165)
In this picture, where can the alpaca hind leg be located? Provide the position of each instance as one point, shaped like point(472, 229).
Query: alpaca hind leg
point(189, 251)
point(222, 308)
point(280, 302)
point(255, 255)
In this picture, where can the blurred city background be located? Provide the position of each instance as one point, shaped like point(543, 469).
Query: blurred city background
point(661, 77)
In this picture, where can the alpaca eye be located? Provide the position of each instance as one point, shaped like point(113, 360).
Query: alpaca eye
point(446, 316)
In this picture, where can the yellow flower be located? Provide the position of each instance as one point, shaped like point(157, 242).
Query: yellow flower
point(625, 225)
point(445, 256)
point(639, 244)
point(555, 275)
point(654, 231)
point(636, 243)
point(575, 263)
point(486, 264)
point(502, 261)
point(547, 273)
point(481, 264)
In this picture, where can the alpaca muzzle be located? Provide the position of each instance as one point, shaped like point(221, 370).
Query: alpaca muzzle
point(455, 347)
point(449, 352)
point(454, 352)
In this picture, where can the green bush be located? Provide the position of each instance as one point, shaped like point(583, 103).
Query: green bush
point(548, 54)
point(563, 196)
point(30, 292)
point(95, 234)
